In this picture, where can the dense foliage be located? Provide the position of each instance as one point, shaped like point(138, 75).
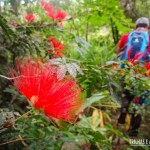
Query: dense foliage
point(80, 38)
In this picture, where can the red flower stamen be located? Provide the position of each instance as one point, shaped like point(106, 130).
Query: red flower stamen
point(40, 84)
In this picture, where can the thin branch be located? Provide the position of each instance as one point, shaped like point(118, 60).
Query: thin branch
point(42, 25)
point(10, 142)
point(36, 26)
point(24, 114)
point(16, 140)
point(2, 76)
point(111, 106)
point(101, 105)
point(75, 26)
point(87, 27)
point(23, 142)
point(101, 67)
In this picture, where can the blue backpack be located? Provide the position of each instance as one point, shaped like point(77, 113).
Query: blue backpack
point(137, 46)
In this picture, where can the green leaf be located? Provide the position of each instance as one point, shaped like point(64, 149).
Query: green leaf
point(93, 99)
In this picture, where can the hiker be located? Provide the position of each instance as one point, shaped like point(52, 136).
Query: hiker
point(135, 44)
point(142, 24)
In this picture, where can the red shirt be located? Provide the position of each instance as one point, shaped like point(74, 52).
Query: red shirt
point(124, 39)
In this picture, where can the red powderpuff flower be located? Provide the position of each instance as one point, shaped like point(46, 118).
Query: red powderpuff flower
point(40, 84)
point(30, 17)
point(42, 3)
point(51, 39)
point(51, 15)
point(56, 45)
point(60, 15)
point(48, 8)
point(58, 53)
point(147, 66)
point(45, 5)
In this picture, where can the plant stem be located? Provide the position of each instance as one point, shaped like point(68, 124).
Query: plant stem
point(101, 105)
point(24, 114)
point(2, 76)
point(18, 139)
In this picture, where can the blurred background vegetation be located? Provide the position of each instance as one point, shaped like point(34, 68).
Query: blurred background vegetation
point(90, 34)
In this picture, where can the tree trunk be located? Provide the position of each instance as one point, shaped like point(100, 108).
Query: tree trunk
point(129, 7)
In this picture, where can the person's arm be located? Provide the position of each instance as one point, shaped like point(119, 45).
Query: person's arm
point(118, 50)
point(122, 43)
point(149, 43)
